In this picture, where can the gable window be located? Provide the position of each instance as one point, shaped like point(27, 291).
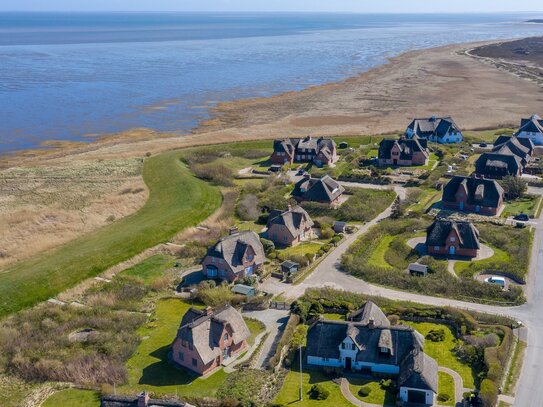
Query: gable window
point(194, 362)
point(250, 257)
point(191, 347)
point(181, 356)
point(213, 260)
point(343, 346)
point(436, 247)
point(225, 337)
point(184, 343)
point(384, 350)
point(453, 238)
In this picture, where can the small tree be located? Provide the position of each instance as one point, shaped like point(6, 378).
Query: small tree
point(318, 392)
point(364, 391)
point(514, 187)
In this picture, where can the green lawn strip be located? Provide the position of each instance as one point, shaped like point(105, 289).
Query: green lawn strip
point(73, 397)
point(334, 317)
point(289, 394)
point(377, 394)
point(515, 368)
point(177, 200)
point(488, 136)
point(443, 352)
point(151, 268)
point(527, 205)
point(499, 256)
point(427, 198)
point(377, 257)
point(256, 327)
point(301, 249)
point(446, 386)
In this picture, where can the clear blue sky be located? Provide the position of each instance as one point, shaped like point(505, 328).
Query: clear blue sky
point(400, 6)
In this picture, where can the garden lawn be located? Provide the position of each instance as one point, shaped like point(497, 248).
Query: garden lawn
point(527, 205)
point(377, 257)
point(256, 327)
point(73, 397)
point(446, 386)
point(176, 200)
point(301, 249)
point(499, 256)
point(151, 268)
point(443, 352)
point(289, 394)
point(334, 317)
point(377, 394)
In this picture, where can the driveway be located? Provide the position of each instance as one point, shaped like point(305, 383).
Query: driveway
point(275, 321)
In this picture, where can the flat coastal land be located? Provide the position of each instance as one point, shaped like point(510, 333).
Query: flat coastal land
point(105, 181)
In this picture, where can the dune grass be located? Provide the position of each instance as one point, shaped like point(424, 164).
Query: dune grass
point(176, 200)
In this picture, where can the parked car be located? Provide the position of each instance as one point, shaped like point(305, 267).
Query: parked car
point(300, 172)
point(496, 280)
point(483, 145)
point(522, 217)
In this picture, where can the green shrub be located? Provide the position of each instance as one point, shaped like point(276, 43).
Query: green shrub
point(436, 335)
point(443, 397)
point(318, 392)
point(488, 393)
point(385, 384)
point(269, 246)
point(364, 391)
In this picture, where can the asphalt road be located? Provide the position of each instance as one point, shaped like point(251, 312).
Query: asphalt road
point(530, 389)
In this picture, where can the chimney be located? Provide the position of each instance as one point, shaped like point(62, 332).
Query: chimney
point(209, 310)
point(143, 399)
point(234, 230)
point(307, 176)
point(371, 323)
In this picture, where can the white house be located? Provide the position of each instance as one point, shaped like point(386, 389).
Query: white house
point(532, 129)
point(367, 343)
point(442, 130)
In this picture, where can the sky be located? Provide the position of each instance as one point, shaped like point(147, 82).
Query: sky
point(367, 6)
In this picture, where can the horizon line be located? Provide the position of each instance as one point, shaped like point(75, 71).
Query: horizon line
point(271, 11)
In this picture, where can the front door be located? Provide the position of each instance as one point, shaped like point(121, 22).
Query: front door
point(348, 363)
point(452, 250)
point(249, 271)
point(225, 353)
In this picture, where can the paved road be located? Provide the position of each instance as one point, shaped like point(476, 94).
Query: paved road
point(530, 390)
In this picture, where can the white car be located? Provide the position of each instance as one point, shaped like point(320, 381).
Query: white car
point(496, 280)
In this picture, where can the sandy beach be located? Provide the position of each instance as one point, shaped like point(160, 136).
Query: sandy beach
point(477, 92)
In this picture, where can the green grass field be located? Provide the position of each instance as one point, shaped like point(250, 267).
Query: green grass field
point(177, 200)
point(377, 395)
point(150, 269)
point(499, 256)
point(301, 249)
point(446, 386)
point(443, 352)
point(289, 394)
point(527, 205)
point(73, 397)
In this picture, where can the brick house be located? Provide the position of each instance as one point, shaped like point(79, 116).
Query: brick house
point(497, 166)
point(207, 338)
point(473, 194)
point(320, 151)
point(403, 152)
point(235, 256)
point(452, 238)
point(290, 227)
point(442, 130)
point(324, 190)
point(367, 343)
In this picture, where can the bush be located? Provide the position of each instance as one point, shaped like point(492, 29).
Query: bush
point(436, 335)
point(385, 384)
point(247, 208)
point(218, 174)
point(364, 391)
point(318, 392)
point(488, 393)
point(326, 232)
point(443, 397)
point(269, 246)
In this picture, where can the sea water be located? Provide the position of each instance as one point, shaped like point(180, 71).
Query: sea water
point(64, 76)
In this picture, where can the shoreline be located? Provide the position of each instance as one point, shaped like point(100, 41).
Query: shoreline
point(262, 118)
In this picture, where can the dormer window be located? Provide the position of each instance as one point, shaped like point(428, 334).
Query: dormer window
point(225, 337)
point(384, 350)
